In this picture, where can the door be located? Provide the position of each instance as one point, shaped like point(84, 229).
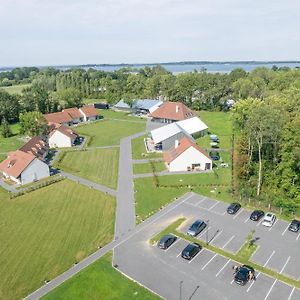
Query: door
point(207, 166)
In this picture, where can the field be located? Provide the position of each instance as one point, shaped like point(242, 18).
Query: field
point(100, 281)
point(15, 89)
point(12, 143)
point(147, 168)
point(139, 150)
point(111, 114)
point(109, 132)
point(98, 165)
point(45, 232)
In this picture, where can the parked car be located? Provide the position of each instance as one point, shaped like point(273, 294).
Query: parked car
point(256, 215)
point(190, 251)
point(233, 208)
point(196, 228)
point(214, 155)
point(269, 219)
point(294, 226)
point(243, 274)
point(166, 241)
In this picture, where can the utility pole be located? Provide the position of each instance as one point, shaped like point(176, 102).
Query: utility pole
point(180, 289)
point(207, 226)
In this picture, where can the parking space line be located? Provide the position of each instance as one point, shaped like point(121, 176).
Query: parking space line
point(179, 254)
point(232, 281)
point(223, 214)
point(238, 213)
point(213, 206)
point(178, 239)
point(285, 264)
point(291, 293)
point(285, 230)
point(218, 234)
point(270, 289)
point(208, 262)
point(204, 230)
point(273, 225)
point(228, 241)
point(259, 222)
point(223, 268)
point(196, 255)
point(248, 289)
point(269, 258)
point(247, 220)
point(298, 236)
point(200, 201)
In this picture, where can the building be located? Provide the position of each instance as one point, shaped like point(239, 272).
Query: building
point(22, 167)
point(146, 106)
point(171, 112)
point(62, 118)
point(89, 113)
point(36, 146)
point(122, 106)
point(187, 156)
point(165, 137)
point(61, 137)
point(75, 114)
point(193, 126)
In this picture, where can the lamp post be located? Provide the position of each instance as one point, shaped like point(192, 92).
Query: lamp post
point(207, 226)
point(180, 289)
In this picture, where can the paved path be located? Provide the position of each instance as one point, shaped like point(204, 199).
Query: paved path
point(8, 187)
point(89, 183)
point(102, 147)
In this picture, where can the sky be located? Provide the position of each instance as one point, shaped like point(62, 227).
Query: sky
point(62, 32)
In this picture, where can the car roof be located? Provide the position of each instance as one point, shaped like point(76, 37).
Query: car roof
point(269, 215)
point(198, 222)
point(166, 237)
point(295, 221)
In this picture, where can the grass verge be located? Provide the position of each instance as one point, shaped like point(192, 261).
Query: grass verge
point(149, 167)
point(139, 150)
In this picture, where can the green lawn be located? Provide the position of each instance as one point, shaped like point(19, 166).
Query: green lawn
point(111, 114)
point(43, 233)
point(100, 281)
point(98, 165)
point(139, 150)
point(109, 132)
point(149, 198)
point(15, 89)
point(147, 168)
point(12, 143)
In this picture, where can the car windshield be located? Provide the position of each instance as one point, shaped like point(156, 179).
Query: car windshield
point(196, 224)
point(242, 273)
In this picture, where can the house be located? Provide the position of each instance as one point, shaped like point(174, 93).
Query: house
point(171, 112)
point(187, 156)
point(89, 113)
point(22, 167)
point(61, 137)
point(75, 114)
point(122, 106)
point(146, 106)
point(36, 146)
point(193, 126)
point(62, 118)
point(165, 137)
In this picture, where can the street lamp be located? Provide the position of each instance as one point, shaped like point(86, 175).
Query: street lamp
point(207, 227)
point(180, 289)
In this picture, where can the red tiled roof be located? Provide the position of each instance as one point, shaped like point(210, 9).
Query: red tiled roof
point(73, 112)
point(58, 117)
point(65, 130)
point(89, 111)
point(36, 146)
point(173, 111)
point(16, 163)
point(184, 144)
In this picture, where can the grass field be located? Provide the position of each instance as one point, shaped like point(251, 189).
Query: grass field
point(98, 165)
point(111, 114)
point(147, 168)
point(100, 281)
point(15, 89)
point(45, 232)
point(139, 150)
point(109, 132)
point(12, 143)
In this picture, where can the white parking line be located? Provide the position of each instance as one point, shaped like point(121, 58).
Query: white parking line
point(179, 254)
point(252, 282)
point(259, 222)
point(298, 236)
point(223, 214)
point(285, 264)
point(218, 234)
point(273, 225)
point(178, 239)
point(232, 281)
point(228, 241)
point(285, 230)
point(208, 262)
point(229, 260)
point(213, 206)
point(269, 258)
point(291, 293)
point(247, 220)
point(200, 201)
point(196, 255)
point(204, 231)
point(270, 289)
point(238, 213)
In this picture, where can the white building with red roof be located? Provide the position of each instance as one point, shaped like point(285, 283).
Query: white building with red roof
point(75, 114)
point(187, 156)
point(89, 113)
point(61, 137)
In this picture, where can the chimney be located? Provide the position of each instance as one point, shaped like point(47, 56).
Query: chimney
point(177, 108)
point(176, 143)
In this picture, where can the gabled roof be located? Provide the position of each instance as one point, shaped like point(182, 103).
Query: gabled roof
point(66, 131)
point(164, 132)
point(16, 163)
point(146, 103)
point(36, 146)
point(89, 111)
point(184, 144)
point(192, 125)
point(58, 117)
point(73, 112)
point(122, 104)
point(173, 111)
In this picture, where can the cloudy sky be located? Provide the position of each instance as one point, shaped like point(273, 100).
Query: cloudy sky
point(53, 32)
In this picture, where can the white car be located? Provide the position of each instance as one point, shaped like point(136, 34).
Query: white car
point(269, 219)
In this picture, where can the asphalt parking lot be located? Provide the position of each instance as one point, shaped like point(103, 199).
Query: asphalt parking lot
point(209, 275)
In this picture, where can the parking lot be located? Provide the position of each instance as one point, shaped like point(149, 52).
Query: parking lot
point(209, 275)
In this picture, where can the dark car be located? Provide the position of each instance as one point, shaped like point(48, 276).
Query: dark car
point(214, 155)
point(190, 251)
point(243, 274)
point(196, 228)
point(166, 241)
point(233, 208)
point(294, 226)
point(256, 215)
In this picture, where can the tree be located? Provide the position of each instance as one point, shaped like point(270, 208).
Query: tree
point(5, 129)
point(9, 106)
point(33, 123)
point(70, 97)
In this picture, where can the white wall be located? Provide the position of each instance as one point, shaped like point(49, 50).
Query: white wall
point(187, 158)
point(36, 170)
point(59, 140)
